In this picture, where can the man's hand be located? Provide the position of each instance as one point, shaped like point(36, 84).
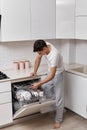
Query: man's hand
point(36, 85)
point(33, 74)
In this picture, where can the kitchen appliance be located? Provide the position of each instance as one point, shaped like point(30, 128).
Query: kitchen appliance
point(26, 101)
point(3, 76)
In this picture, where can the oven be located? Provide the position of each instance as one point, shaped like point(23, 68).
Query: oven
point(26, 101)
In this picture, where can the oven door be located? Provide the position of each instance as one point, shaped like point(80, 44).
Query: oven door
point(34, 108)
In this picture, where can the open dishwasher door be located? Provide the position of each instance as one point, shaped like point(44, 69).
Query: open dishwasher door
point(27, 101)
point(32, 108)
point(27, 110)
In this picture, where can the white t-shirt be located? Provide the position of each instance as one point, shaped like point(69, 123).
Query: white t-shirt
point(54, 59)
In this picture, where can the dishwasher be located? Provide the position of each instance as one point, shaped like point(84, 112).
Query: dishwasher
point(26, 101)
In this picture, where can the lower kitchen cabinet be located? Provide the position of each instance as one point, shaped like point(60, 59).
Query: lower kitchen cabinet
point(76, 93)
point(5, 103)
point(5, 114)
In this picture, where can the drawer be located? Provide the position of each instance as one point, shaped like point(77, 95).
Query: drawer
point(5, 97)
point(5, 86)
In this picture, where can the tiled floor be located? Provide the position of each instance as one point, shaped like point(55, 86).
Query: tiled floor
point(45, 122)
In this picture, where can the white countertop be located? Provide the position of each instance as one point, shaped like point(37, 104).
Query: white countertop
point(77, 69)
point(73, 65)
point(23, 74)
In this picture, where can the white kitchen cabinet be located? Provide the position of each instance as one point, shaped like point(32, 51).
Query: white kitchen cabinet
point(5, 114)
point(81, 19)
point(5, 103)
point(15, 21)
point(81, 28)
point(65, 19)
point(81, 7)
point(76, 93)
point(43, 19)
point(27, 19)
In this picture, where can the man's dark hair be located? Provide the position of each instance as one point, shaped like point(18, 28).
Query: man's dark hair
point(39, 45)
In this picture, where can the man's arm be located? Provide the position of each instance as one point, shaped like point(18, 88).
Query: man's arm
point(37, 64)
point(47, 79)
point(50, 76)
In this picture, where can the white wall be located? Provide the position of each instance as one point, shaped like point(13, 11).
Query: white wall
point(17, 51)
point(10, 52)
point(81, 51)
point(68, 50)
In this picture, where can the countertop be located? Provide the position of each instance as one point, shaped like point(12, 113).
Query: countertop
point(23, 74)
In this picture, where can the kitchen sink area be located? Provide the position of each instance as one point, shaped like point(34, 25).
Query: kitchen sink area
point(80, 70)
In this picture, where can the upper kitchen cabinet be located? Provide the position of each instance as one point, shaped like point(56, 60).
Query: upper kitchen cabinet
point(81, 19)
point(43, 19)
point(65, 19)
point(28, 19)
point(81, 28)
point(15, 20)
point(81, 7)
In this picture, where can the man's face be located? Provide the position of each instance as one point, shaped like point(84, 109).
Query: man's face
point(43, 52)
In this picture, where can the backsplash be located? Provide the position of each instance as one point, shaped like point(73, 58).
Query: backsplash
point(81, 51)
point(18, 51)
point(73, 51)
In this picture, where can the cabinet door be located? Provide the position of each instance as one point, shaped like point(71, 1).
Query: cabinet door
point(81, 7)
point(81, 27)
point(6, 114)
point(65, 18)
point(15, 21)
point(43, 18)
point(76, 94)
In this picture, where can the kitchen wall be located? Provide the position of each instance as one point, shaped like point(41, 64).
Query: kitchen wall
point(68, 50)
point(73, 51)
point(16, 51)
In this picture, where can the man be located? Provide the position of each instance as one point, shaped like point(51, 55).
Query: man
point(54, 77)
